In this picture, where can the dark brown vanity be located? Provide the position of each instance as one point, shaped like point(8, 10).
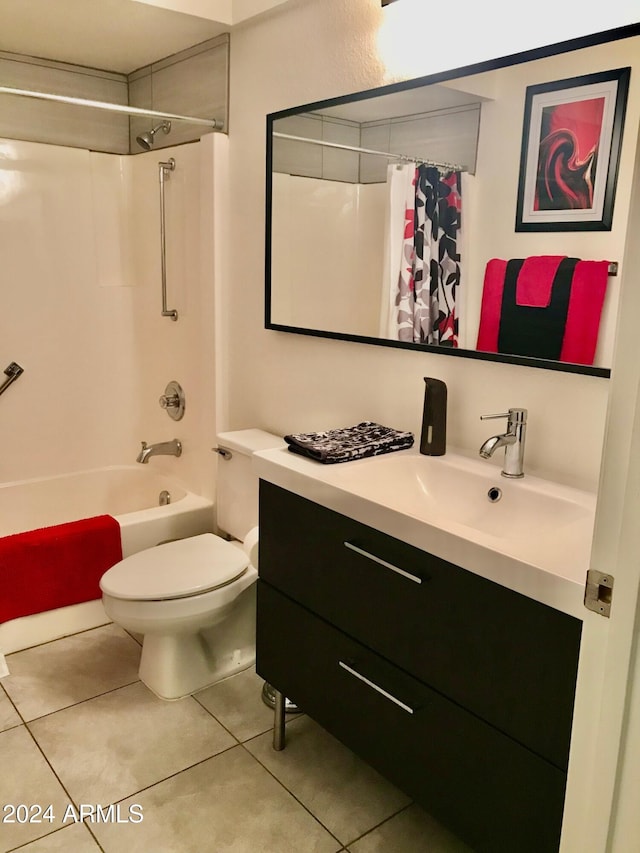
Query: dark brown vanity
point(455, 688)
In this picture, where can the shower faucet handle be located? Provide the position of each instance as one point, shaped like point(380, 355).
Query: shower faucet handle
point(173, 401)
point(169, 402)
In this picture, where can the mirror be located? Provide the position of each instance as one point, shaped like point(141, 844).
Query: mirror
point(346, 225)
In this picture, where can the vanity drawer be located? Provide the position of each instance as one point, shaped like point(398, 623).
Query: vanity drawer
point(506, 658)
point(494, 793)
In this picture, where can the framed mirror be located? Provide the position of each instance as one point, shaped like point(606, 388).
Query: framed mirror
point(394, 216)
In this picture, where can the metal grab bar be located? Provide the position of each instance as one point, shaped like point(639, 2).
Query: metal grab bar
point(163, 174)
point(12, 372)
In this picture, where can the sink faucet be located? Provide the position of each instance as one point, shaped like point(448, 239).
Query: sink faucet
point(512, 441)
point(164, 448)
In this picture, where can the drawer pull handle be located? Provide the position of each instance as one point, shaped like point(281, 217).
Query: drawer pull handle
point(376, 687)
point(382, 562)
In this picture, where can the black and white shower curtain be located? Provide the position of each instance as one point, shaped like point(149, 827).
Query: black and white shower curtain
point(422, 258)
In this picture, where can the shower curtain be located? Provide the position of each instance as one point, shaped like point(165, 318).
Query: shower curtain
point(422, 269)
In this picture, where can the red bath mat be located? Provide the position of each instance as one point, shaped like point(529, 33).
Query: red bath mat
point(56, 566)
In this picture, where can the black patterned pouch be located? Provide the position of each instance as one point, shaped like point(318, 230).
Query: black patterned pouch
point(355, 442)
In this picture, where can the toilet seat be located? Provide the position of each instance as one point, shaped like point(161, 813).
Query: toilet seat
point(177, 569)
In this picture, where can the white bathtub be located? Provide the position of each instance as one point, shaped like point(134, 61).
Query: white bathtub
point(130, 493)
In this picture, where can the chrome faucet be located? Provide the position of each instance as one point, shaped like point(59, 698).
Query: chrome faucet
point(512, 441)
point(164, 448)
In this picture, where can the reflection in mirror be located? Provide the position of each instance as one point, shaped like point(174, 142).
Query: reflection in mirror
point(392, 221)
point(332, 189)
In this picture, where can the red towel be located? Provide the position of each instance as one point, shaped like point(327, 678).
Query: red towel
point(536, 280)
point(491, 307)
point(588, 289)
point(56, 566)
point(585, 309)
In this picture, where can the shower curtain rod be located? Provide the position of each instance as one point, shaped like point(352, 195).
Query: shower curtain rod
point(114, 108)
point(450, 167)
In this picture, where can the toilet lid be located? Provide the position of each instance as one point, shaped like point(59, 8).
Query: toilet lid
point(176, 569)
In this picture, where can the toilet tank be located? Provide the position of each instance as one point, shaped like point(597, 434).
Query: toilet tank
point(237, 484)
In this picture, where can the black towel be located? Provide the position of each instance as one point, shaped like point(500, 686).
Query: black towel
point(355, 442)
point(535, 331)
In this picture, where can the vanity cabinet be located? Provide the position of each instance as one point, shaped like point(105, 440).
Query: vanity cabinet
point(457, 689)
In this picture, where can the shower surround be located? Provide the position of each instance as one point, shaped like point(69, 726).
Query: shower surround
point(79, 239)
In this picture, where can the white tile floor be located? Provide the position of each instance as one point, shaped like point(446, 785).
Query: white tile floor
point(79, 730)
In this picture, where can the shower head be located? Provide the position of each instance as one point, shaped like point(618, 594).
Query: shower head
point(145, 140)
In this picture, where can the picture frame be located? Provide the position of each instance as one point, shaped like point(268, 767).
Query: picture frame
point(571, 141)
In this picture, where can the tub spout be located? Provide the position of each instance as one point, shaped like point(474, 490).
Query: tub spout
point(164, 448)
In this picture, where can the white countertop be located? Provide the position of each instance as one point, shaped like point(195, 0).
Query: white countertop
point(536, 540)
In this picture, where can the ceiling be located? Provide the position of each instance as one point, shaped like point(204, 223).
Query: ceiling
point(113, 35)
point(405, 102)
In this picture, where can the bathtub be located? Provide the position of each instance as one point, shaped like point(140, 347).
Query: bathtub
point(131, 494)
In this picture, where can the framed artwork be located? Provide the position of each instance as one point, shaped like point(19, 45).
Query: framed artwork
point(570, 152)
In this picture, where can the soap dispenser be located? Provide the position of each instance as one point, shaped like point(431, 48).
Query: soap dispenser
point(433, 439)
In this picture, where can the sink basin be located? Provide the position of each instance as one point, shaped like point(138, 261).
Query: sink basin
point(456, 491)
point(536, 539)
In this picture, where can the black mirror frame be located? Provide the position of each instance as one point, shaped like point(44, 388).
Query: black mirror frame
point(477, 68)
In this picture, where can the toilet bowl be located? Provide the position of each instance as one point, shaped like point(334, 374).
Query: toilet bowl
point(194, 602)
point(194, 599)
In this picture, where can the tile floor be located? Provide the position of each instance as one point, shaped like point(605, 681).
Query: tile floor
point(78, 730)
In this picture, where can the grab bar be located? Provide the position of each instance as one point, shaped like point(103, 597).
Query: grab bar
point(164, 169)
point(12, 372)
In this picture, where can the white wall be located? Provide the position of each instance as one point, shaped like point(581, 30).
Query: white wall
point(79, 242)
point(284, 382)
point(495, 185)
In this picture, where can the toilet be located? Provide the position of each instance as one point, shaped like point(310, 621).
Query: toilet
point(193, 599)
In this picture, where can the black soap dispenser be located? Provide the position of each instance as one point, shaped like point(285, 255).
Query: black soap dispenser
point(433, 439)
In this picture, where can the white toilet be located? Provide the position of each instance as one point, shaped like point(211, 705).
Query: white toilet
point(194, 599)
